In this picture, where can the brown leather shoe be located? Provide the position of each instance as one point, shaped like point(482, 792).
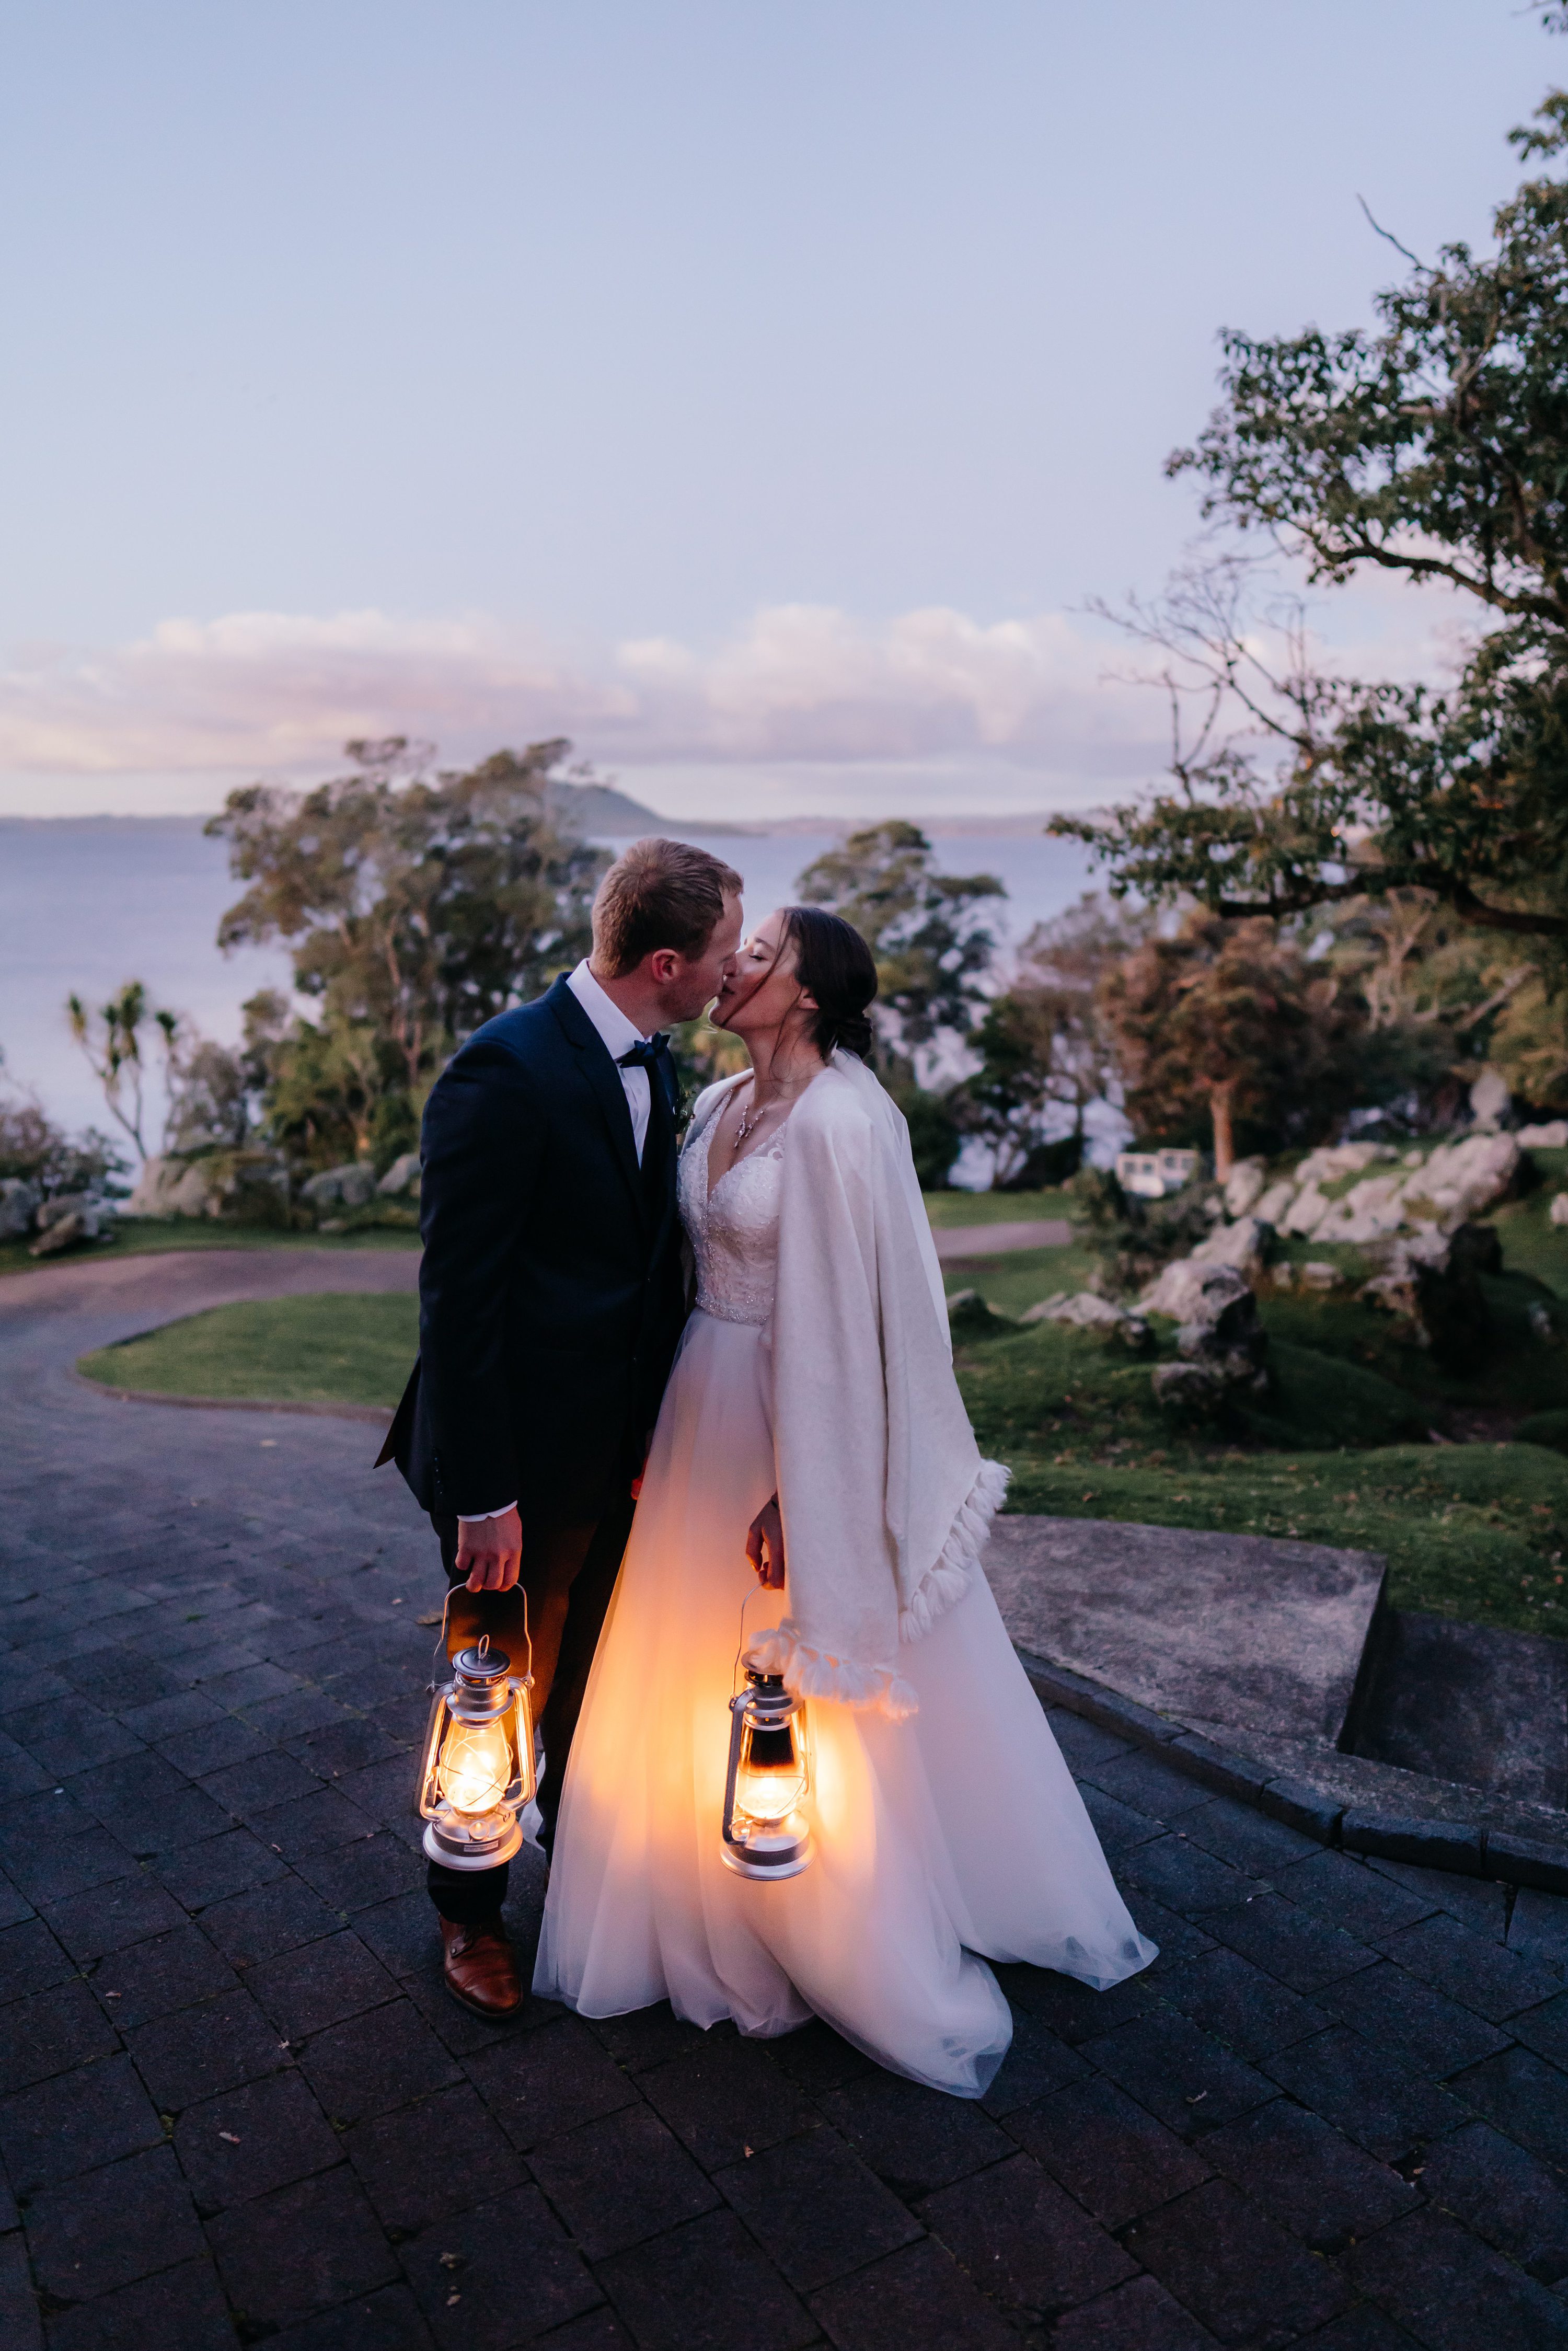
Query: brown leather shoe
point(480, 1968)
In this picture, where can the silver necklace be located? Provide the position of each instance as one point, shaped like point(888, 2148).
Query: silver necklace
point(751, 1120)
point(748, 1125)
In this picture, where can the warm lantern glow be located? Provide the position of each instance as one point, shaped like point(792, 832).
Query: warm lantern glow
point(770, 1779)
point(477, 1769)
point(764, 1832)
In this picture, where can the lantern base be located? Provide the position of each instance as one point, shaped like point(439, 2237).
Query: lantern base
point(457, 1853)
point(776, 1856)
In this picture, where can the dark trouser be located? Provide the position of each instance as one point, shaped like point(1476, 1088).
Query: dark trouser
point(568, 1574)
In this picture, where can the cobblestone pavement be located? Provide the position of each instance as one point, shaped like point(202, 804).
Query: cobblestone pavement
point(236, 2104)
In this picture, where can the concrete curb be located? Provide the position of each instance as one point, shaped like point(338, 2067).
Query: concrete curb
point(1436, 1844)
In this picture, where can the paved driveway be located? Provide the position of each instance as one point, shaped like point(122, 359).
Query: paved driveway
point(235, 2106)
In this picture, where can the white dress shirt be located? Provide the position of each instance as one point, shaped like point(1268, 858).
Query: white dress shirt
point(618, 1036)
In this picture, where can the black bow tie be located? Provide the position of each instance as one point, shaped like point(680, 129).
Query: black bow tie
point(645, 1052)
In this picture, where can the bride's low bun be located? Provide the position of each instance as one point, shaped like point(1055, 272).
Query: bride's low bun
point(834, 964)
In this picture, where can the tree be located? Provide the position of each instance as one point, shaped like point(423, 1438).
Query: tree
point(33, 1148)
point(1435, 1000)
point(1224, 1025)
point(921, 925)
point(114, 1039)
point(416, 907)
point(1434, 449)
point(1045, 1049)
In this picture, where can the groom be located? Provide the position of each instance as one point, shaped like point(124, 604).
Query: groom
point(551, 1299)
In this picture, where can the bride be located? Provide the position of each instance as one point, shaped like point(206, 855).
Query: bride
point(812, 1458)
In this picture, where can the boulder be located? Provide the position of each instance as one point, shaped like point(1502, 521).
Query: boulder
point(73, 1218)
point(85, 1205)
point(1089, 1312)
point(1186, 1290)
point(1306, 1212)
point(209, 1185)
point(1246, 1180)
point(968, 1316)
point(1244, 1245)
point(19, 1204)
point(1458, 1180)
point(353, 1185)
point(1490, 1100)
point(403, 1175)
point(1270, 1207)
point(1318, 1274)
point(1335, 1161)
point(198, 1190)
point(1551, 1135)
point(63, 1234)
point(1217, 1316)
point(1083, 1307)
point(1369, 1211)
point(150, 1194)
point(1189, 1391)
point(1430, 1282)
point(1557, 1213)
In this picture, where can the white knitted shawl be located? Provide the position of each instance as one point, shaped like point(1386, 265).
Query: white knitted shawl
point(885, 1499)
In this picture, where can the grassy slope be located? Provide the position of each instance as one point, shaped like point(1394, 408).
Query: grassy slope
point(1471, 1530)
point(344, 1349)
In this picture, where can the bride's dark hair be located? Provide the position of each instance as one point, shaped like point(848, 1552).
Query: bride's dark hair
point(833, 963)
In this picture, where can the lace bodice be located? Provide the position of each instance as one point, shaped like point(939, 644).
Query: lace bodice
point(734, 1234)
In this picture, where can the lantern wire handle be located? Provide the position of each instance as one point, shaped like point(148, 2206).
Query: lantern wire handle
point(740, 1645)
point(439, 1649)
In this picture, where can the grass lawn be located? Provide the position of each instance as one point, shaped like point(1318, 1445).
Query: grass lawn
point(1013, 1283)
point(946, 1208)
point(351, 1348)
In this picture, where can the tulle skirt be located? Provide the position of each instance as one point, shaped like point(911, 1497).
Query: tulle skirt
point(955, 1834)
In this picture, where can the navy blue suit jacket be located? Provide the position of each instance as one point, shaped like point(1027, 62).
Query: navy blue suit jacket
point(550, 1292)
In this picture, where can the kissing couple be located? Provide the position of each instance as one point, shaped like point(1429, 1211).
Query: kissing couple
point(658, 1382)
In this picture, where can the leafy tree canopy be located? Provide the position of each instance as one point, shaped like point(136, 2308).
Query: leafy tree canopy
point(416, 906)
point(1046, 1051)
point(921, 925)
point(1224, 1025)
point(1433, 447)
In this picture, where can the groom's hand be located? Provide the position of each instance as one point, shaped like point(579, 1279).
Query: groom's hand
point(490, 1551)
point(765, 1546)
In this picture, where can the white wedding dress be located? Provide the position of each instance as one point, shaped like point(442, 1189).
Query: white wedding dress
point(956, 1832)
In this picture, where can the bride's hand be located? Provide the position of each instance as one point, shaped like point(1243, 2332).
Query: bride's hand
point(765, 1546)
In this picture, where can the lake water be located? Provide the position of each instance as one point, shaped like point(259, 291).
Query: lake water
point(89, 902)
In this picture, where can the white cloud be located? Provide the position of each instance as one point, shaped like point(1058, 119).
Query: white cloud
point(805, 706)
point(280, 693)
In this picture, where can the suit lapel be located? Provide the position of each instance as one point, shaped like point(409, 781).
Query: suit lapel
point(603, 1081)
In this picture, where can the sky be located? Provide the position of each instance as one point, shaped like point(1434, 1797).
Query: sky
point(753, 393)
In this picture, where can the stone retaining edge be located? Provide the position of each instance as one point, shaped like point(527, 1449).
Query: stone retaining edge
point(1435, 1845)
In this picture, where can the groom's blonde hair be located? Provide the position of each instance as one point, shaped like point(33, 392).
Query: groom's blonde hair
point(659, 893)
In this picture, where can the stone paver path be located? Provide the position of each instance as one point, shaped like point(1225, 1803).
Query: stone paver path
point(235, 2106)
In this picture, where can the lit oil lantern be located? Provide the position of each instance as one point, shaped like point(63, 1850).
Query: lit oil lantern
point(477, 1769)
point(765, 1831)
